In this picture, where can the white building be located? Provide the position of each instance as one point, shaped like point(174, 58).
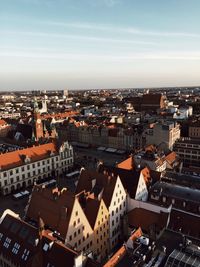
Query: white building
point(20, 168)
point(117, 209)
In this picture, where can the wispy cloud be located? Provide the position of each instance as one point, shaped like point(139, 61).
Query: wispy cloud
point(78, 37)
point(115, 29)
point(175, 55)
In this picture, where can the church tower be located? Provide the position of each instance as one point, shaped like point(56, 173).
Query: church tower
point(38, 126)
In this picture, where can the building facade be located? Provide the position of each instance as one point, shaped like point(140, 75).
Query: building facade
point(21, 168)
point(163, 133)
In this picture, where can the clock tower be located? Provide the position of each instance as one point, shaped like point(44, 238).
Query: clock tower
point(38, 126)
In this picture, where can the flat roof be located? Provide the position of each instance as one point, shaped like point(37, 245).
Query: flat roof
point(176, 191)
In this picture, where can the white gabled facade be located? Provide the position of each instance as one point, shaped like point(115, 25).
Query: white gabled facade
point(117, 209)
point(15, 177)
point(141, 191)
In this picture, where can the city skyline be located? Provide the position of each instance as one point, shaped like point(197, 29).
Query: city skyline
point(99, 44)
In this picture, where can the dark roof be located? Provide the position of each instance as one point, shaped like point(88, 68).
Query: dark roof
point(153, 99)
point(91, 210)
point(129, 178)
point(51, 205)
point(182, 179)
point(138, 218)
point(186, 223)
point(17, 233)
point(176, 191)
point(103, 183)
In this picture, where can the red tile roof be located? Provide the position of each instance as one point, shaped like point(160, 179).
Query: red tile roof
point(16, 158)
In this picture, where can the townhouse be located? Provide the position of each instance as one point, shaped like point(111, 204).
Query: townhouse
point(61, 212)
point(98, 217)
point(110, 189)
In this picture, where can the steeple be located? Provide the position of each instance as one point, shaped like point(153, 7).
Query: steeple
point(35, 106)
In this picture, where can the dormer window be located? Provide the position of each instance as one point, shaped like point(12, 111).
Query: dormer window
point(27, 159)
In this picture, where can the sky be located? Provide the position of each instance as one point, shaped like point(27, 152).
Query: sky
point(76, 44)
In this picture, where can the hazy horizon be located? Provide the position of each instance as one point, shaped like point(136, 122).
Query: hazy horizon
point(57, 44)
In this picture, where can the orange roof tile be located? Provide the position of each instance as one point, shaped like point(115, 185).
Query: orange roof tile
point(126, 164)
point(2, 122)
point(171, 157)
point(16, 158)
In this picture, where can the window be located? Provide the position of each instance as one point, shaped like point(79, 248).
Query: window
point(74, 223)
point(74, 234)
point(1, 235)
point(78, 220)
point(28, 167)
point(70, 238)
point(113, 213)
point(11, 172)
point(17, 170)
point(7, 242)
point(25, 254)
point(15, 248)
point(4, 174)
point(79, 231)
point(76, 213)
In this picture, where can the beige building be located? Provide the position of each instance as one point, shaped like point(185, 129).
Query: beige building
point(110, 189)
point(98, 217)
point(163, 133)
point(62, 212)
